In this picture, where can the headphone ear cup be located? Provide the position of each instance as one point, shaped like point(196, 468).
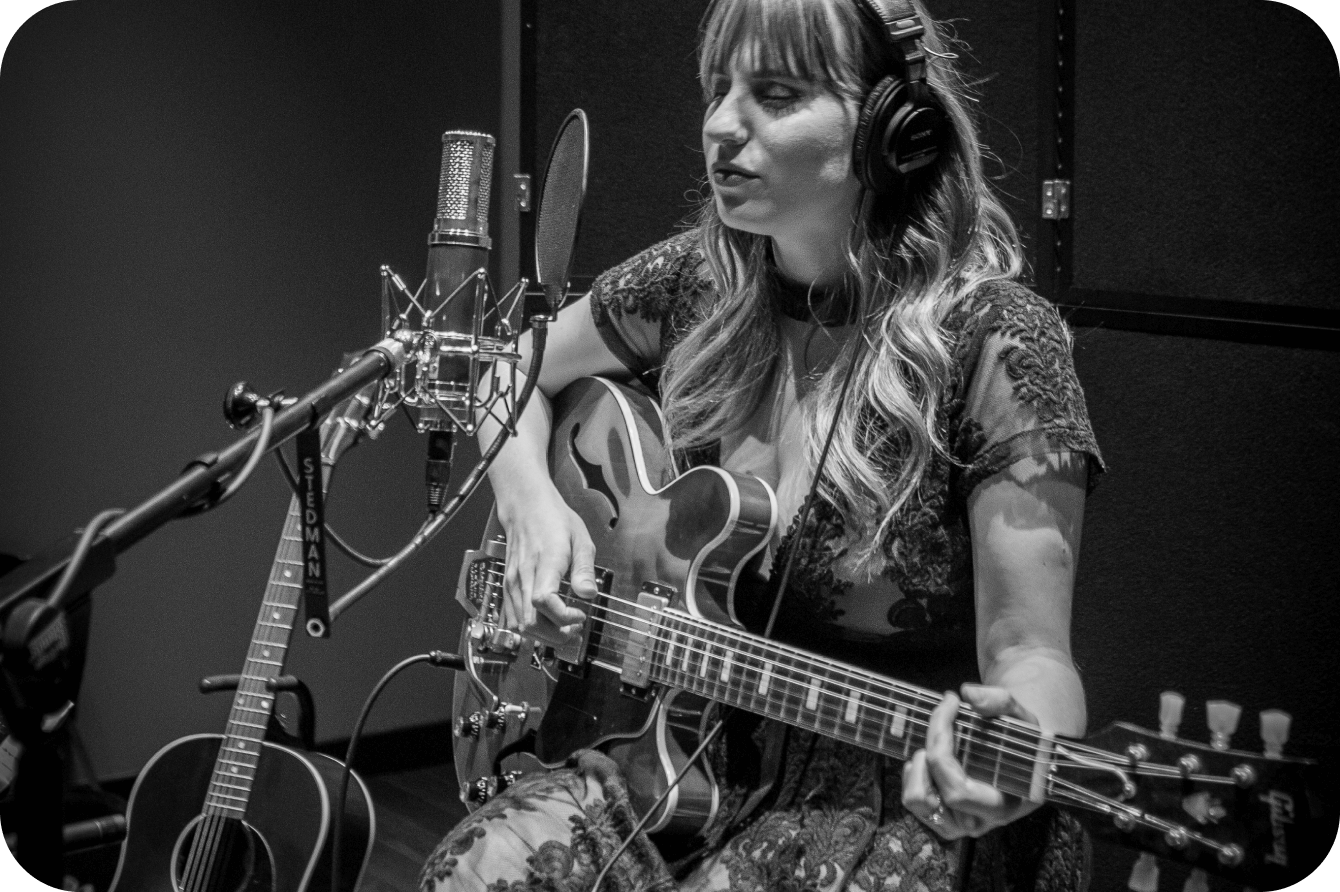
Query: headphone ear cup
point(868, 144)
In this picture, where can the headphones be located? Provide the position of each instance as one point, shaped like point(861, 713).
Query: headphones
point(901, 128)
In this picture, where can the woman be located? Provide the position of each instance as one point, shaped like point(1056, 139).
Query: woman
point(941, 541)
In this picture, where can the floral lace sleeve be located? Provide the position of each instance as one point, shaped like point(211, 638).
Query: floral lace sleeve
point(1020, 394)
point(643, 305)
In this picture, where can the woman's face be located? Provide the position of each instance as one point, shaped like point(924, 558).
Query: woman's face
point(778, 151)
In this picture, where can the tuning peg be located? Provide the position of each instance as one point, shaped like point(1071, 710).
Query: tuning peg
point(1222, 717)
point(1198, 881)
point(1170, 713)
point(1144, 875)
point(1275, 731)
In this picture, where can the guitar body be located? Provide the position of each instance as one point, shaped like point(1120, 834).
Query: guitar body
point(693, 533)
point(282, 844)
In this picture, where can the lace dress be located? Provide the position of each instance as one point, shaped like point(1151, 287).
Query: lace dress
point(801, 811)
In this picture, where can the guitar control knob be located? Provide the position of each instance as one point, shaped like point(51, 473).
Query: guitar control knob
point(496, 721)
point(468, 725)
point(1144, 875)
point(1275, 731)
point(1222, 717)
point(480, 790)
point(508, 778)
point(1170, 713)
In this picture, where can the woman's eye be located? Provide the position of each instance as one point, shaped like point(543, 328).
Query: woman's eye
point(777, 95)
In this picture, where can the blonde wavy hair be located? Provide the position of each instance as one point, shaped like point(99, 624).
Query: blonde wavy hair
point(910, 260)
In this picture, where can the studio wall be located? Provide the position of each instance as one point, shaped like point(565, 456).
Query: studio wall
point(197, 194)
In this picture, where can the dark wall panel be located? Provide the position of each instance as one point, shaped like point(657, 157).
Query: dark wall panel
point(632, 68)
point(196, 194)
point(1209, 564)
point(1207, 152)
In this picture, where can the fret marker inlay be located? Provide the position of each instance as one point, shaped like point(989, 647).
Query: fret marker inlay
point(765, 678)
point(899, 721)
point(853, 703)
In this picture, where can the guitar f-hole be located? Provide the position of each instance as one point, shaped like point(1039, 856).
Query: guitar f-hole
point(593, 476)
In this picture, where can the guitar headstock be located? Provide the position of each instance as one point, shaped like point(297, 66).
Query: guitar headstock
point(1260, 819)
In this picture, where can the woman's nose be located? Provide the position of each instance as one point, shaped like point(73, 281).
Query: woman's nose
point(725, 124)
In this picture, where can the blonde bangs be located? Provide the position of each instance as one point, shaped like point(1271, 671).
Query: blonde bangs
point(805, 39)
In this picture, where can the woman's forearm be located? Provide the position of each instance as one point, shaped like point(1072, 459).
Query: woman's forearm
point(521, 468)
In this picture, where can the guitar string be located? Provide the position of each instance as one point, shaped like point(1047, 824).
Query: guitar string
point(1058, 787)
point(1144, 769)
point(786, 678)
point(789, 699)
point(910, 692)
point(875, 699)
point(203, 857)
point(1009, 771)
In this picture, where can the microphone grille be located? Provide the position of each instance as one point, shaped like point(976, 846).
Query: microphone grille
point(463, 188)
point(561, 203)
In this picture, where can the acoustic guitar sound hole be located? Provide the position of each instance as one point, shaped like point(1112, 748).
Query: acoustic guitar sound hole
point(217, 854)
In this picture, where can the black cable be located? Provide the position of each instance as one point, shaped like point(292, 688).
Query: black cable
point(436, 658)
point(814, 489)
point(637, 828)
point(349, 550)
point(61, 591)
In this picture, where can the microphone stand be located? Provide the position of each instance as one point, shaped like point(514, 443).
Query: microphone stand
point(33, 684)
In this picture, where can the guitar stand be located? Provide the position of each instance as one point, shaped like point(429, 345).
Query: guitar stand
point(304, 720)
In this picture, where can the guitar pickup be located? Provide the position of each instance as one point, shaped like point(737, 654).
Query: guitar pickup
point(640, 645)
point(572, 656)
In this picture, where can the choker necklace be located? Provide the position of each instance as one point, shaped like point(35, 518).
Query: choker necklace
point(829, 307)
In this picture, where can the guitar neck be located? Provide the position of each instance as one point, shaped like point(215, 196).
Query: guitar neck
point(833, 699)
point(253, 704)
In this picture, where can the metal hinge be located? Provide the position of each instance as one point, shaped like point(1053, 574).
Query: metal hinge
point(1055, 199)
point(522, 184)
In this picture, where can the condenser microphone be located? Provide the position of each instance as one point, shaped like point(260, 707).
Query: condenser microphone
point(453, 299)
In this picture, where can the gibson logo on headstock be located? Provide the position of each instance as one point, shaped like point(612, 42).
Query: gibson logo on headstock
point(1281, 813)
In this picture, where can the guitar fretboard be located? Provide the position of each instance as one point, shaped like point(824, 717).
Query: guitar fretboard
point(253, 704)
point(828, 697)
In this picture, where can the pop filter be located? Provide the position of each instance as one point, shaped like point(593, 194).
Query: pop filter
point(561, 199)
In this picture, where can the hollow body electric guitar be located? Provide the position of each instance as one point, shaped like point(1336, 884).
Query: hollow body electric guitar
point(235, 812)
point(661, 646)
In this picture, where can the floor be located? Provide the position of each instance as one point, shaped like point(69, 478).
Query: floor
point(415, 809)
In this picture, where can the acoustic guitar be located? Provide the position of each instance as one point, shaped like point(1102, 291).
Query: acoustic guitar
point(661, 646)
point(235, 812)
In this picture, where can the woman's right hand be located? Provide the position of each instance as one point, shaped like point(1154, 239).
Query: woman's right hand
point(546, 540)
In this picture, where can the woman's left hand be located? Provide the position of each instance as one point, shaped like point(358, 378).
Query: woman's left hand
point(935, 786)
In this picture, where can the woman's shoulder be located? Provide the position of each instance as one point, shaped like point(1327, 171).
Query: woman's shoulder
point(660, 282)
point(1004, 309)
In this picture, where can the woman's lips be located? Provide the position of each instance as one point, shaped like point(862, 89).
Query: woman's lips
point(730, 177)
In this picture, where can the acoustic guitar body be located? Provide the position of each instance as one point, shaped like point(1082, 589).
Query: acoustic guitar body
point(281, 844)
